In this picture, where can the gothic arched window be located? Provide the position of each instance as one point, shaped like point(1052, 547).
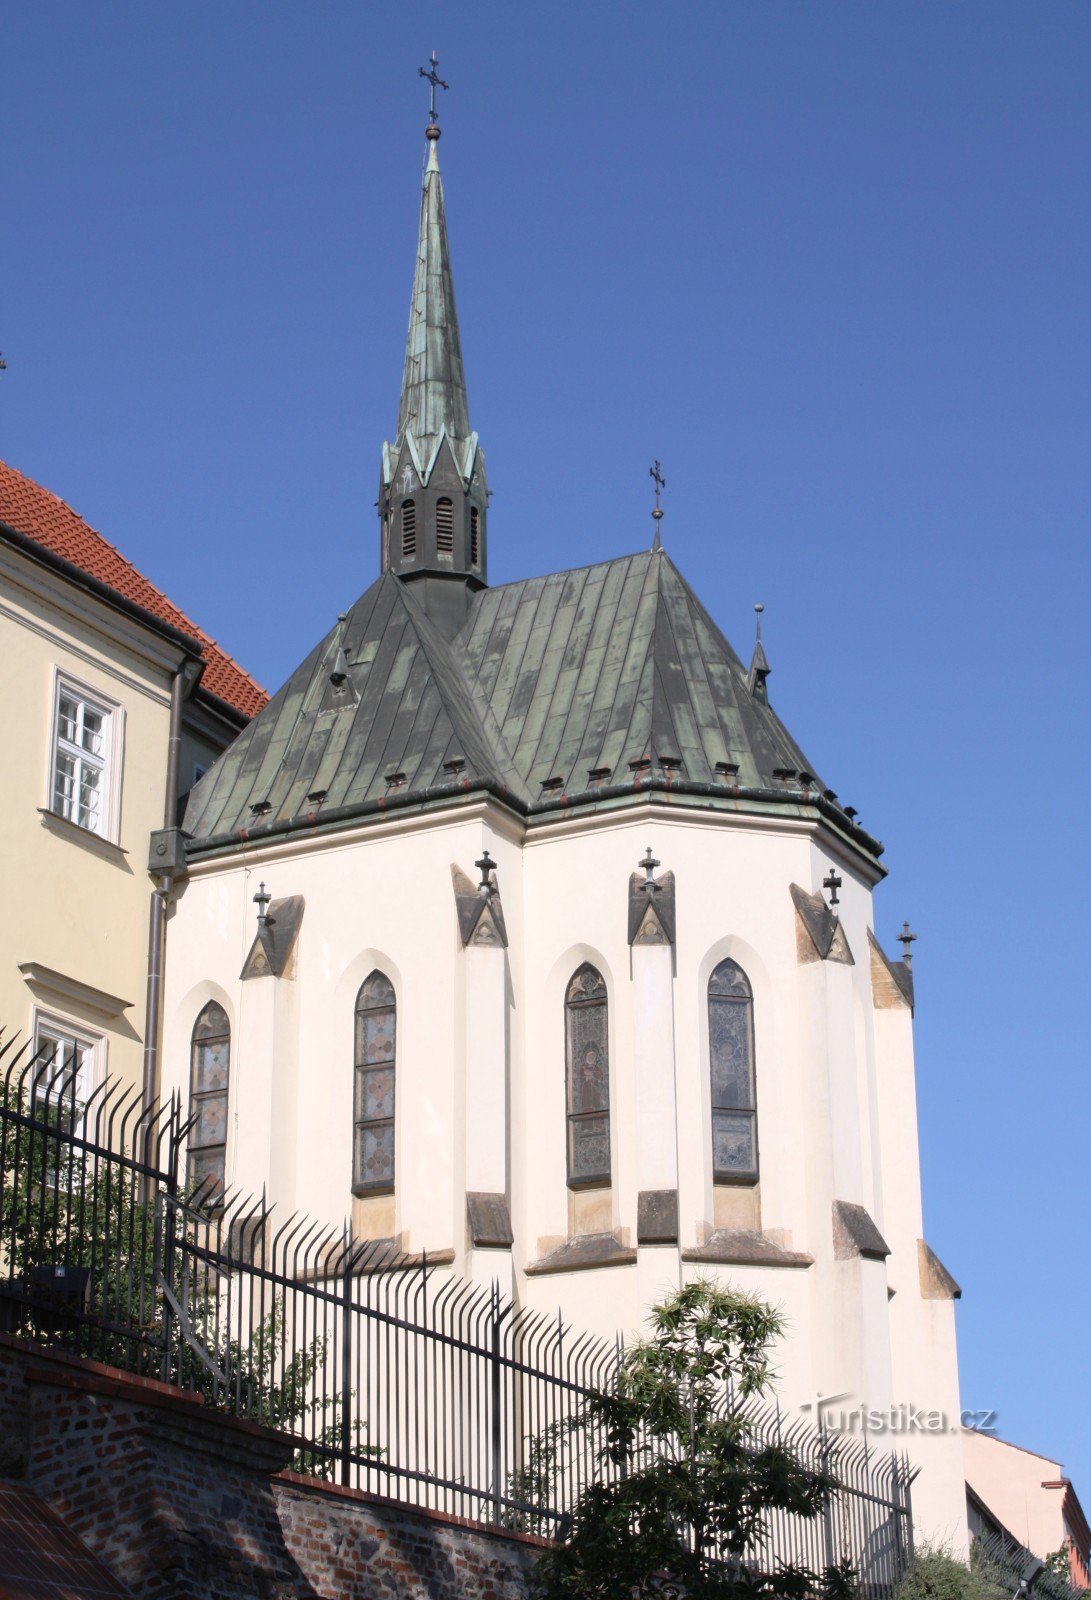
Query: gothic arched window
point(373, 1096)
point(731, 1059)
point(210, 1070)
point(409, 528)
point(588, 1079)
point(445, 525)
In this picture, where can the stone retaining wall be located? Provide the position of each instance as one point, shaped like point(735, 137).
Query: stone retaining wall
point(184, 1503)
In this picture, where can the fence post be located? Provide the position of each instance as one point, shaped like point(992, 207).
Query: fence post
point(346, 1365)
point(163, 1197)
point(830, 1538)
point(496, 1442)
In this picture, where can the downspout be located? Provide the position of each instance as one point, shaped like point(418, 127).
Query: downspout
point(157, 918)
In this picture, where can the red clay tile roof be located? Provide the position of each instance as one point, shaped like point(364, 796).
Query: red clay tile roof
point(41, 1559)
point(40, 515)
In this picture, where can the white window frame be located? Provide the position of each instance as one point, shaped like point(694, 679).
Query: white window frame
point(107, 823)
point(51, 1027)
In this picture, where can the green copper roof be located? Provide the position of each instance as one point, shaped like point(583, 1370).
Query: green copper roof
point(433, 398)
point(578, 690)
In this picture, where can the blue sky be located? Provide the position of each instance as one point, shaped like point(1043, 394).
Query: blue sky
point(829, 262)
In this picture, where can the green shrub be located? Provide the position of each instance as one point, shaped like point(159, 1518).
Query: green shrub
point(938, 1575)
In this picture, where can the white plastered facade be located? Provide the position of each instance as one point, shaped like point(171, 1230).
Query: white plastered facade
point(480, 1096)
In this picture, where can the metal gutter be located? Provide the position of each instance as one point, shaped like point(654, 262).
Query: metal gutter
point(157, 914)
point(317, 821)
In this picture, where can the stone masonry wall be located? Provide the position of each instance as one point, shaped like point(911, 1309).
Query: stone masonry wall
point(184, 1503)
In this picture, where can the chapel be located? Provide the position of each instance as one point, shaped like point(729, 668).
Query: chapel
point(518, 930)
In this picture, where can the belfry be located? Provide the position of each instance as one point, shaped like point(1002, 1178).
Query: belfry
point(568, 979)
point(433, 495)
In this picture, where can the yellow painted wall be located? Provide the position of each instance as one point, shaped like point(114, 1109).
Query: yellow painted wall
point(72, 902)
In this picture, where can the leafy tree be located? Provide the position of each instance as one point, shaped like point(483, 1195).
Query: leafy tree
point(678, 1491)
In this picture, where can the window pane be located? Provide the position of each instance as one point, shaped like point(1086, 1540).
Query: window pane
point(378, 1039)
point(89, 795)
point(589, 1154)
point(587, 985)
point(374, 1162)
point(205, 1164)
point(94, 724)
point(212, 1022)
point(729, 979)
point(376, 991)
point(68, 713)
point(733, 1142)
point(66, 1061)
point(374, 1093)
point(64, 785)
point(210, 1066)
point(211, 1124)
point(589, 1073)
point(729, 1047)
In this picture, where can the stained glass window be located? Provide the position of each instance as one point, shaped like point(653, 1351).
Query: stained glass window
point(373, 1102)
point(588, 1074)
point(731, 1059)
point(209, 1077)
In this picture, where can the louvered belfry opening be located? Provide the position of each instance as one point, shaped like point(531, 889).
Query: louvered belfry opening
point(409, 529)
point(475, 537)
point(445, 526)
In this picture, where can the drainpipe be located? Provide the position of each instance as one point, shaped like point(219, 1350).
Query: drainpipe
point(157, 919)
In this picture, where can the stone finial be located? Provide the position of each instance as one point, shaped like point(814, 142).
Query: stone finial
point(478, 907)
point(651, 904)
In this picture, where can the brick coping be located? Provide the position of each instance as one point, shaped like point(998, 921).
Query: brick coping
point(342, 1491)
point(63, 1370)
point(41, 1364)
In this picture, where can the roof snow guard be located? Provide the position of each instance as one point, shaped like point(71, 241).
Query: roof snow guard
point(581, 691)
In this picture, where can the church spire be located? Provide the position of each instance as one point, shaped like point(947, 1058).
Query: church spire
point(433, 396)
point(433, 498)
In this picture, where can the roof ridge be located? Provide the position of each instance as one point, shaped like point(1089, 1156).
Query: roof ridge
point(435, 646)
point(568, 572)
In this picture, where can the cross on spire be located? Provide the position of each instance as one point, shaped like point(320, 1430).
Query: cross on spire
point(832, 883)
point(907, 938)
point(656, 474)
point(433, 77)
point(261, 900)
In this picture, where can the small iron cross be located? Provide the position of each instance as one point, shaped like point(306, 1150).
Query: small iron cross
point(907, 939)
point(656, 474)
point(435, 80)
point(261, 900)
point(832, 883)
point(486, 866)
point(649, 863)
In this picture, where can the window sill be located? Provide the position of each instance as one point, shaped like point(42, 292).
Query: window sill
point(743, 1247)
point(95, 842)
point(579, 1254)
point(370, 1191)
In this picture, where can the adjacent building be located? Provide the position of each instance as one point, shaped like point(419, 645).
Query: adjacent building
point(115, 704)
point(1021, 1499)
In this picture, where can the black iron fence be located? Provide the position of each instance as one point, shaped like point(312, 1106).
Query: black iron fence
point(388, 1372)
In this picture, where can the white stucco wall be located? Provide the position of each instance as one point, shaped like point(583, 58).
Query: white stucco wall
point(481, 1072)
